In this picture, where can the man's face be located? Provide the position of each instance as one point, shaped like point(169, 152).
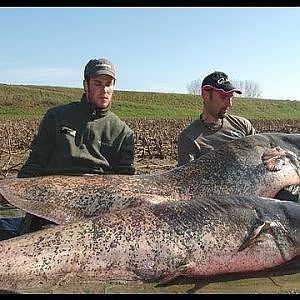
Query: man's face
point(217, 103)
point(99, 90)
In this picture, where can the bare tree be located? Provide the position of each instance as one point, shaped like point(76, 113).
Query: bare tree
point(194, 87)
point(249, 88)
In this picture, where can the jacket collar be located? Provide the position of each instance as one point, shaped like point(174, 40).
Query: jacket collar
point(94, 113)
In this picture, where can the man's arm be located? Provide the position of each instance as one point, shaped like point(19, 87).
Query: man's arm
point(124, 163)
point(40, 149)
point(249, 128)
point(186, 151)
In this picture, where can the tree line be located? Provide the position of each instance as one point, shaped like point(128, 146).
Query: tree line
point(249, 88)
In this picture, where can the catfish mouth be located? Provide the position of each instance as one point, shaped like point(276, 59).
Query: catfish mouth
point(294, 158)
point(292, 213)
point(292, 141)
point(293, 189)
point(289, 193)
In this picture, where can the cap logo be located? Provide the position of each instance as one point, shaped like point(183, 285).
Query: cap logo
point(222, 80)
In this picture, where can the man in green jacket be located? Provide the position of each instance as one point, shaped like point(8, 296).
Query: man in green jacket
point(86, 136)
point(83, 137)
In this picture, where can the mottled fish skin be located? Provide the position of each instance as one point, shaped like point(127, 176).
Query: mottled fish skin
point(260, 165)
point(200, 237)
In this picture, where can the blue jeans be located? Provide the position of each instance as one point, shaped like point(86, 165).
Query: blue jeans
point(10, 227)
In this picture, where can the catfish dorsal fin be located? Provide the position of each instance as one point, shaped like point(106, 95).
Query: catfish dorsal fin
point(254, 234)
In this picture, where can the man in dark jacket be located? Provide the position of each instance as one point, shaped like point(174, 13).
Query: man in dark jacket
point(86, 136)
point(83, 137)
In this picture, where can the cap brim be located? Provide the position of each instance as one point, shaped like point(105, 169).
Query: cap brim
point(105, 72)
point(221, 90)
point(234, 90)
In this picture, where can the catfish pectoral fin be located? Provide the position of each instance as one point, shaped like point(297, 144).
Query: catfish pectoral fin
point(182, 270)
point(254, 234)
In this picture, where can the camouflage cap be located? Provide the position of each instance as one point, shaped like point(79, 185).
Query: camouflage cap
point(99, 66)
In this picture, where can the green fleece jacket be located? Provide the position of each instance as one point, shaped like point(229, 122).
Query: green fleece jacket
point(74, 139)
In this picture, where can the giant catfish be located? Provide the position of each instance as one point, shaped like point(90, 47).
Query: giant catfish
point(260, 165)
point(158, 242)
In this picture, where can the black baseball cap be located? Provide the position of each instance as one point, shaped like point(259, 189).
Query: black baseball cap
point(219, 81)
point(99, 66)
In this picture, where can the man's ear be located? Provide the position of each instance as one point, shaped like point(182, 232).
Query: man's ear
point(85, 85)
point(205, 95)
